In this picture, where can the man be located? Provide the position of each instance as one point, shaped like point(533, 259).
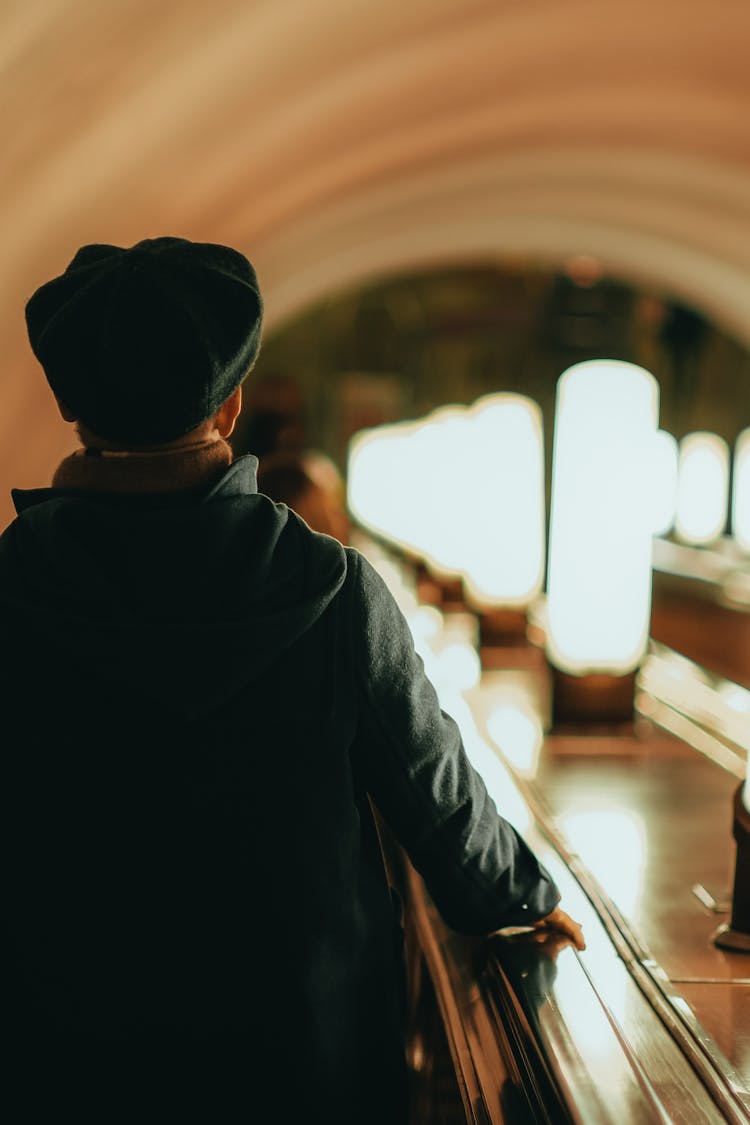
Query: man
point(210, 696)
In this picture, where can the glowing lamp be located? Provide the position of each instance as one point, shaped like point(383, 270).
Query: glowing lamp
point(407, 483)
point(378, 467)
point(601, 520)
point(741, 491)
point(504, 500)
point(702, 488)
point(664, 484)
point(441, 450)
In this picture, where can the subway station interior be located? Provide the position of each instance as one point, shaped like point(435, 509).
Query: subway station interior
point(505, 256)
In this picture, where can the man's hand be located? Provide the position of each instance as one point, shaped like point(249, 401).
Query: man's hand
point(562, 923)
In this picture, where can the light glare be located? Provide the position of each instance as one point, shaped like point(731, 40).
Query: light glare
point(379, 470)
point(702, 487)
point(664, 484)
point(459, 666)
point(505, 501)
point(517, 732)
point(464, 490)
point(599, 580)
point(620, 864)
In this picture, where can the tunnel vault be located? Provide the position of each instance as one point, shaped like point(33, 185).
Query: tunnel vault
point(335, 141)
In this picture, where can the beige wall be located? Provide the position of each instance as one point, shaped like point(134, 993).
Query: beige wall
point(334, 139)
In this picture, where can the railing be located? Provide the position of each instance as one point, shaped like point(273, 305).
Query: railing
point(540, 1034)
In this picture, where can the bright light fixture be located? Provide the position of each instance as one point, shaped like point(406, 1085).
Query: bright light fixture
point(664, 483)
point(463, 489)
point(503, 498)
point(376, 497)
point(601, 521)
point(438, 469)
point(702, 488)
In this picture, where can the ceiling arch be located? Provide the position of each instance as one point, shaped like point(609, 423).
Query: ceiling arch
point(644, 215)
point(334, 139)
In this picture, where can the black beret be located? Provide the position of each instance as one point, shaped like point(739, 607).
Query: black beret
point(144, 343)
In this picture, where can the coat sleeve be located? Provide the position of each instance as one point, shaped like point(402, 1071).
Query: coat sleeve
point(479, 871)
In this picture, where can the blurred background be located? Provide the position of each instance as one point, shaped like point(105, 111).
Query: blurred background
point(445, 199)
point(442, 197)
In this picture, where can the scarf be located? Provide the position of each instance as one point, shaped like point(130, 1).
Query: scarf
point(129, 471)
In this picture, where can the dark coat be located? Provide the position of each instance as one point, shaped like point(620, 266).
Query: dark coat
point(207, 693)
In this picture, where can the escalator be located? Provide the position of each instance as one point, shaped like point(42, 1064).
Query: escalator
point(651, 1023)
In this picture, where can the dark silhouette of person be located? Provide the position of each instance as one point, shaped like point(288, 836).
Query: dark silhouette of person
point(212, 698)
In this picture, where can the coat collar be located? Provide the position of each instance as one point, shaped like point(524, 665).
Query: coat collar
point(240, 479)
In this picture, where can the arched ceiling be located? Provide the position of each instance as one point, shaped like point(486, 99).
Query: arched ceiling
point(334, 139)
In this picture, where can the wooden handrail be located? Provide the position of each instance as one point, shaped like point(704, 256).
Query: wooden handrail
point(539, 1040)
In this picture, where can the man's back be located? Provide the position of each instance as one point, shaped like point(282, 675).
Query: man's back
point(209, 696)
point(182, 811)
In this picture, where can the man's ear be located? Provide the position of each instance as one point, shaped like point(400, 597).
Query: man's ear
point(65, 411)
point(228, 413)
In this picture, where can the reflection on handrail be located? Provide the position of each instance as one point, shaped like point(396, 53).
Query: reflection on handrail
point(654, 990)
point(502, 1075)
point(534, 1039)
point(596, 1066)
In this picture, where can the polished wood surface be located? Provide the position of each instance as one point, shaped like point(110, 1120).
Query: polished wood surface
point(650, 1022)
point(640, 819)
point(724, 1008)
point(681, 805)
point(541, 1033)
point(690, 618)
point(647, 819)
